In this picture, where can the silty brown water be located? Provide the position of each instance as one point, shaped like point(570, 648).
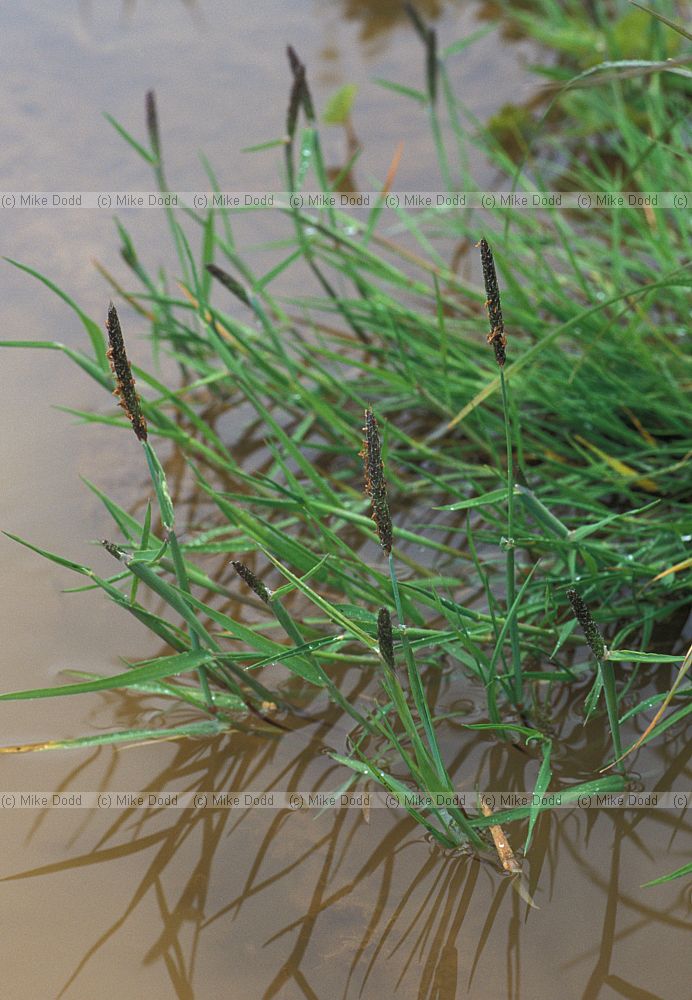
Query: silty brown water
point(251, 902)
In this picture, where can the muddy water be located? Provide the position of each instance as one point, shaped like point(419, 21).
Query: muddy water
point(251, 903)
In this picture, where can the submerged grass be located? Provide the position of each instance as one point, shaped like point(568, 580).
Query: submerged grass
point(574, 480)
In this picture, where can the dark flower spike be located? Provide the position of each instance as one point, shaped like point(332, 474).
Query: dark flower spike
point(125, 384)
point(496, 337)
point(294, 62)
point(115, 551)
point(229, 282)
point(294, 101)
point(375, 485)
point(153, 122)
point(417, 20)
point(431, 63)
point(428, 36)
point(588, 625)
point(384, 637)
point(255, 585)
point(301, 82)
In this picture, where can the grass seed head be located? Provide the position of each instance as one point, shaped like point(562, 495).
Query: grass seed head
point(114, 550)
point(302, 91)
point(417, 21)
point(496, 337)
point(588, 625)
point(431, 63)
point(229, 282)
point(124, 382)
point(384, 637)
point(428, 36)
point(153, 122)
point(294, 101)
point(375, 485)
point(255, 584)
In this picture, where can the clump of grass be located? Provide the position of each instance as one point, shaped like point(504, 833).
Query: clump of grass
point(577, 479)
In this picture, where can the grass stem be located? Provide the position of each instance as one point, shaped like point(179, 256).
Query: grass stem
point(509, 556)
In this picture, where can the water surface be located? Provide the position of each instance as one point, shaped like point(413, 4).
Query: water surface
point(258, 903)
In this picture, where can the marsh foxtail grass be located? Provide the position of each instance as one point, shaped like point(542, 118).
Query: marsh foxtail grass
point(498, 341)
point(130, 402)
point(253, 582)
point(153, 123)
point(589, 627)
point(124, 382)
point(385, 639)
point(496, 337)
point(596, 643)
point(375, 484)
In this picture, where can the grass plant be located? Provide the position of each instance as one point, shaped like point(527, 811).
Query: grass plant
point(522, 489)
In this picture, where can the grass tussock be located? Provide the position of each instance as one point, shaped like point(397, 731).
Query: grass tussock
point(526, 489)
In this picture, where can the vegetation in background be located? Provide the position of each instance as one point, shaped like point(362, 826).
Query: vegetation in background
point(527, 487)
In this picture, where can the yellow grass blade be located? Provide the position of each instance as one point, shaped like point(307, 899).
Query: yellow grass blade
point(621, 467)
point(686, 664)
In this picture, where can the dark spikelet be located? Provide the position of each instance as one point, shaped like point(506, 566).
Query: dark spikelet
point(294, 102)
point(375, 485)
point(417, 21)
point(496, 337)
point(293, 60)
point(125, 384)
point(229, 282)
point(431, 63)
point(300, 79)
point(588, 625)
point(255, 585)
point(153, 122)
point(114, 550)
point(384, 637)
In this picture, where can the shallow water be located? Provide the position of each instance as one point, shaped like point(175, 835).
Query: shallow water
point(258, 902)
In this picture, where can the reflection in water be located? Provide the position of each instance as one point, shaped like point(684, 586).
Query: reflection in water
point(375, 17)
point(294, 905)
point(378, 16)
point(344, 905)
point(128, 7)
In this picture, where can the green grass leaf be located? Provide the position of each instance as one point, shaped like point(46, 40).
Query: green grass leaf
point(165, 666)
point(678, 873)
point(339, 106)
